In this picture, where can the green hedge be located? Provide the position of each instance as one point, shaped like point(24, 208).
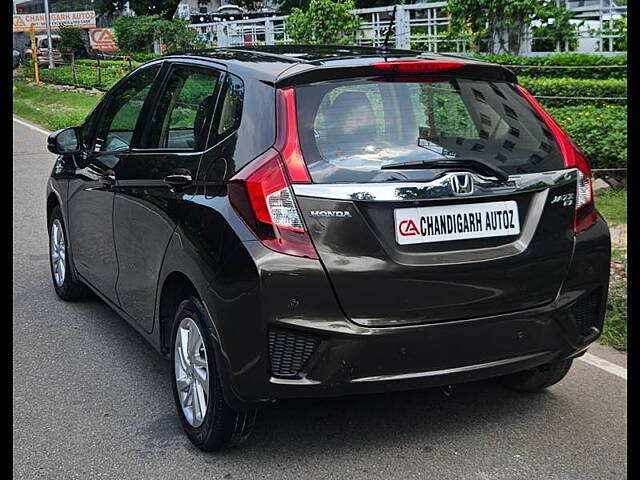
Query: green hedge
point(141, 57)
point(600, 132)
point(86, 76)
point(574, 87)
point(530, 65)
point(121, 64)
point(87, 73)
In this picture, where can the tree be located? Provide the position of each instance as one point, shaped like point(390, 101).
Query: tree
point(500, 24)
point(556, 30)
point(619, 28)
point(71, 40)
point(287, 5)
point(323, 22)
point(109, 7)
point(69, 5)
point(165, 8)
point(137, 34)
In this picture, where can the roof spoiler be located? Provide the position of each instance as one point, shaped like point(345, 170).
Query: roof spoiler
point(410, 68)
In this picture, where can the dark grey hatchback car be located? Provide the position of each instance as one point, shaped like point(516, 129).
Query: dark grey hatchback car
point(316, 221)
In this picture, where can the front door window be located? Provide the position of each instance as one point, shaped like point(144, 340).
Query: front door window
point(122, 112)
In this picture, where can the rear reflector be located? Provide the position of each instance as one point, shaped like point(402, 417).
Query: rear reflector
point(289, 351)
point(585, 214)
point(417, 66)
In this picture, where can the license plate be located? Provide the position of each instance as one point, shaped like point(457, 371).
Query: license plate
point(456, 222)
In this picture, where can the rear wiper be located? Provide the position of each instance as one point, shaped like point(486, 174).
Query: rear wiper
point(473, 164)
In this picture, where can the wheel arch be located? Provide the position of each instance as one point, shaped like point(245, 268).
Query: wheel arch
point(188, 269)
point(176, 287)
point(52, 202)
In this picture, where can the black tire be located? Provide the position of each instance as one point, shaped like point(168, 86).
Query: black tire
point(537, 379)
point(222, 427)
point(71, 288)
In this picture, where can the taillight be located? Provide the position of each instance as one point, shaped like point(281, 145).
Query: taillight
point(585, 207)
point(287, 141)
point(261, 192)
point(585, 212)
point(417, 66)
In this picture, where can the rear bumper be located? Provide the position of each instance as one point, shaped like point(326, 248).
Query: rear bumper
point(43, 60)
point(451, 352)
point(344, 358)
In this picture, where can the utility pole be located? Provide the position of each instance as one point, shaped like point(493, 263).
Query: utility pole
point(48, 19)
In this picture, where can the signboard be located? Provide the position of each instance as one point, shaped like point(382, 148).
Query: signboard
point(84, 19)
point(102, 39)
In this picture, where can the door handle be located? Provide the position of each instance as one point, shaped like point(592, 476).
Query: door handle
point(108, 178)
point(180, 178)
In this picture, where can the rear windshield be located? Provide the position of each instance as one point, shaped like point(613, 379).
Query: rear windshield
point(350, 128)
point(44, 43)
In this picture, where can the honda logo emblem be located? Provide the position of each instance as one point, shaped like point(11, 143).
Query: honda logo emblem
point(462, 184)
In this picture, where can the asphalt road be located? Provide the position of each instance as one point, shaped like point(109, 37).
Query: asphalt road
point(92, 400)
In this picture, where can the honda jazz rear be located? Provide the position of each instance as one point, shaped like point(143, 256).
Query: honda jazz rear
point(309, 221)
point(428, 223)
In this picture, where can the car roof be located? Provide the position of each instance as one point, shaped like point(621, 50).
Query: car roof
point(229, 7)
point(272, 63)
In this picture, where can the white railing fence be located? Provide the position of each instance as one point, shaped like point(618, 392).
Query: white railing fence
point(421, 26)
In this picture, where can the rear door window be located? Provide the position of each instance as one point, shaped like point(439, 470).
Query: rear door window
point(350, 128)
point(182, 117)
point(230, 112)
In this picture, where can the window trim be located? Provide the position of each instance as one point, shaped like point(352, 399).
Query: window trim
point(214, 138)
point(171, 65)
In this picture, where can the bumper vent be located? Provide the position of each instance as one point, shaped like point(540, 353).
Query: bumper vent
point(586, 312)
point(289, 351)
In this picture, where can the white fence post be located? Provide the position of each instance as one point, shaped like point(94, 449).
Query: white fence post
point(221, 33)
point(269, 38)
point(403, 32)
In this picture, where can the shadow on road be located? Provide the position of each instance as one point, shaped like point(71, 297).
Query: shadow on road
point(292, 429)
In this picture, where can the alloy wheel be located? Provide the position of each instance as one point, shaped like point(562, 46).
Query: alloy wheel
point(191, 369)
point(58, 252)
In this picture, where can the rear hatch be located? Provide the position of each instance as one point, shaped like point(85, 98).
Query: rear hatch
point(433, 197)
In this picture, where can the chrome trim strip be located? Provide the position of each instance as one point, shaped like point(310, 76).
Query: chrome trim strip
point(439, 188)
point(293, 381)
point(448, 371)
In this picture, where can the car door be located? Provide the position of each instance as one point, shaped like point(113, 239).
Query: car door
point(156, 180)
point(91, 195)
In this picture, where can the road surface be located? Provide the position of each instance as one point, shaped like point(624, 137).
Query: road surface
point(91, 399)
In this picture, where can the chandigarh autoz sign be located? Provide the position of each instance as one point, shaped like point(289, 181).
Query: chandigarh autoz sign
point(456, 222)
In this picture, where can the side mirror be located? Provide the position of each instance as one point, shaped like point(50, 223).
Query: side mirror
point(65, 141)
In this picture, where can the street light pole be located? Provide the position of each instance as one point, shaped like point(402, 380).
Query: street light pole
point(48, 19)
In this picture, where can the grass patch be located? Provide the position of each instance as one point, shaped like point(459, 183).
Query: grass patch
point(618, 254)
point(51, 108)
point(612, 204)
point(614, 332)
